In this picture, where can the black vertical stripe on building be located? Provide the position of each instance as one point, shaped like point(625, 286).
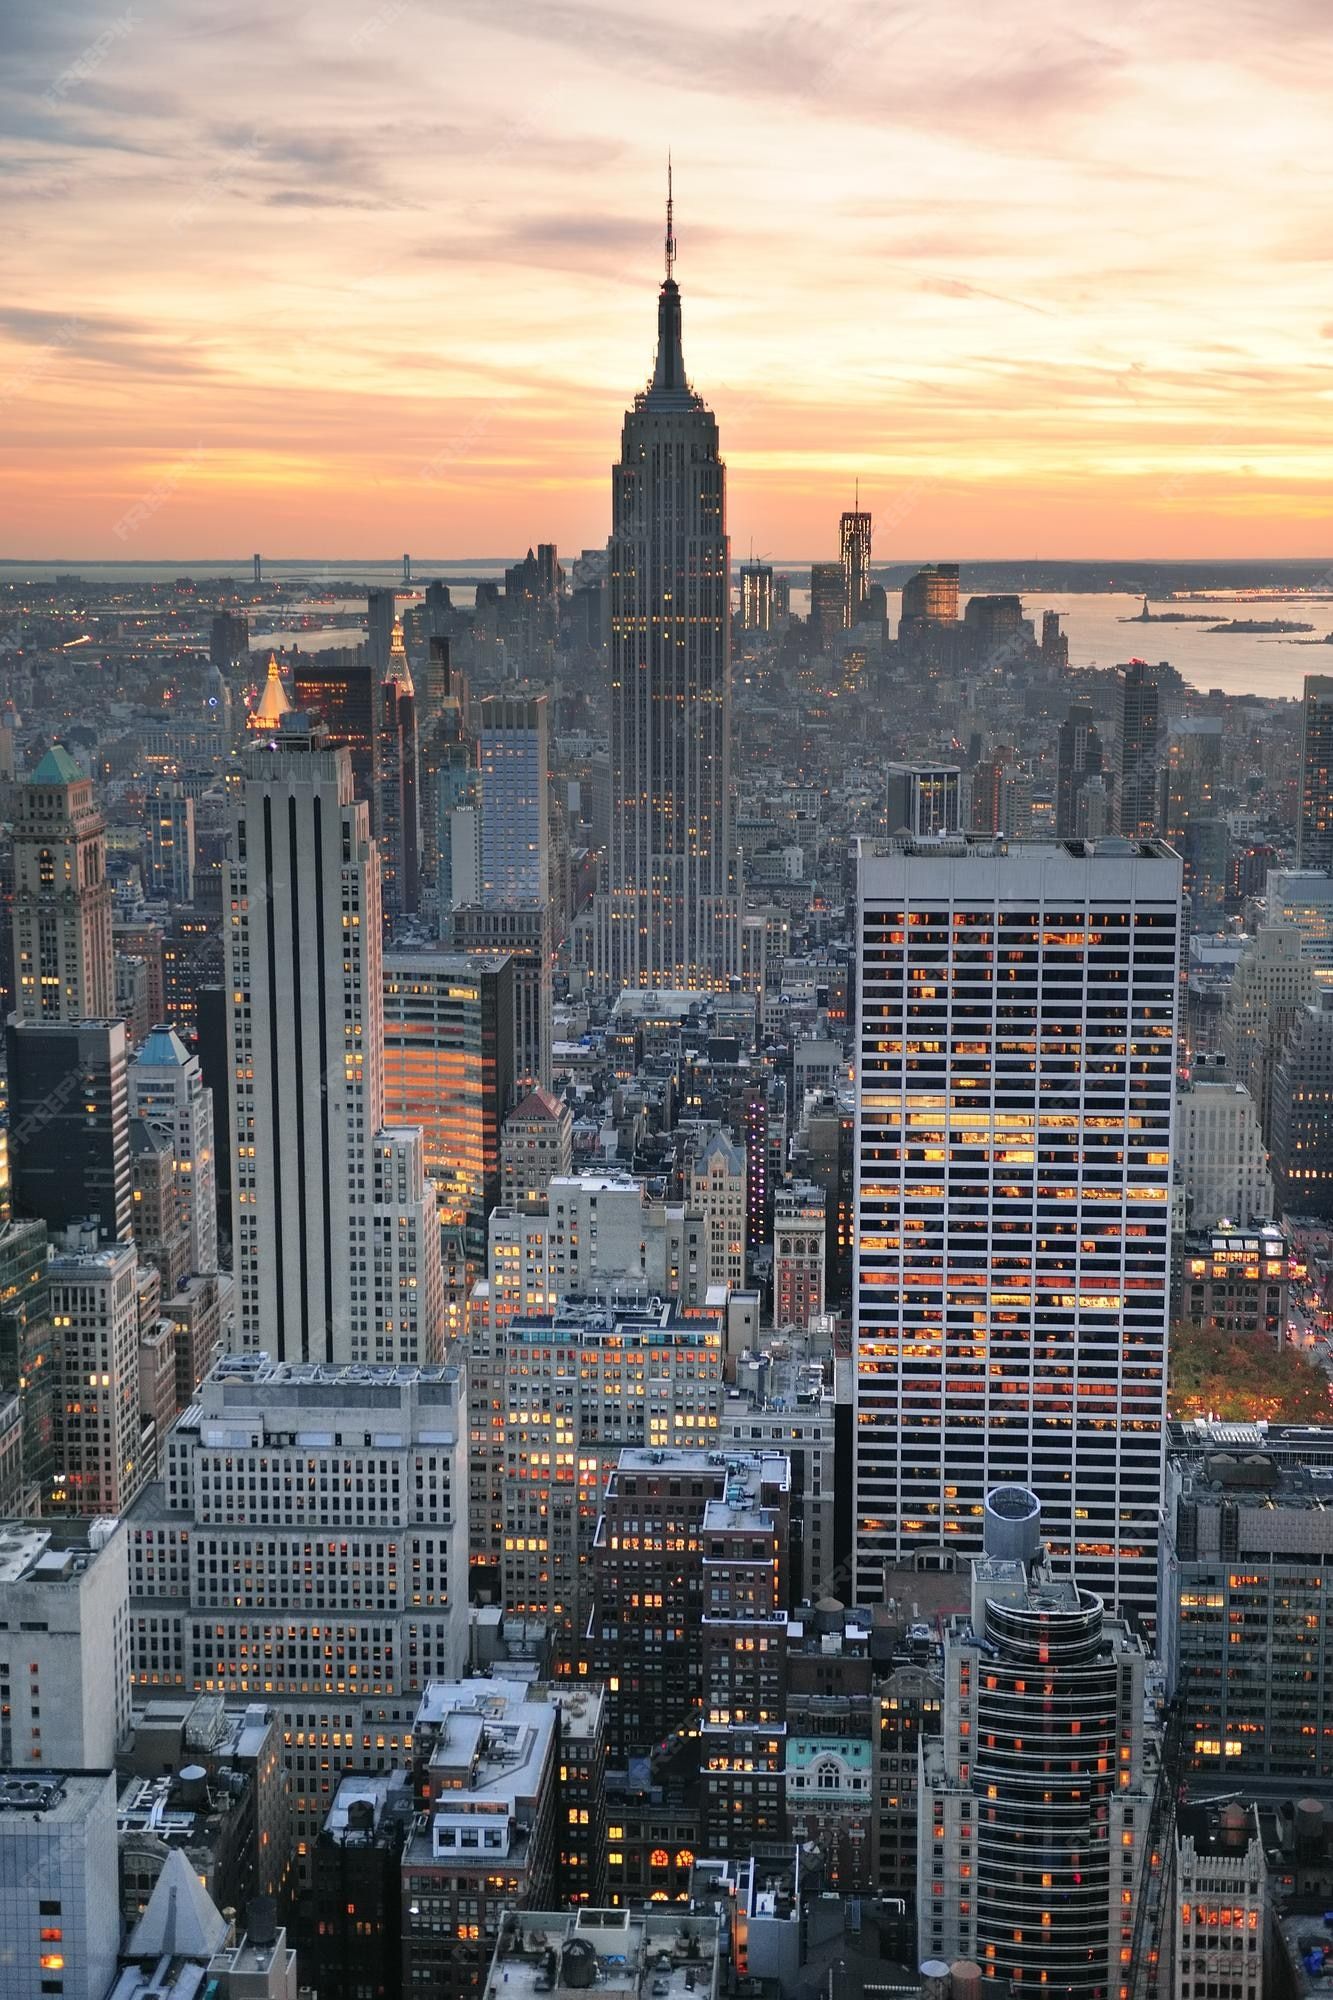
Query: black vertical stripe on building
point(321, 973)
point(275, 1081)
point(298, 1045)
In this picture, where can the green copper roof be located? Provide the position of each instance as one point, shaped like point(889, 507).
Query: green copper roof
point(803, 1751)
point(57, 768)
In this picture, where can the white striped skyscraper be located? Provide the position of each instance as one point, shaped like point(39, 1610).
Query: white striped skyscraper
point(668, 918)
point(337, 1253)
point(1013, 1197)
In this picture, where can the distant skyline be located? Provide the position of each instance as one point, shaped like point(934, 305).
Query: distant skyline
point(383, 275)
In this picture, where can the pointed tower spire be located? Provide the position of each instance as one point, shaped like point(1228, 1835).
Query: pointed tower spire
point(399, 669)
point(669, 372)
point(671, 228)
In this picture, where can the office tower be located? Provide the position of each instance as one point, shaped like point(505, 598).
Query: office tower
point(1217, 1903)
point(398, 824)
point(827, 596)
point(358, 1889)
point(513, 780)
point(1054, 643)
point(381, 617)
point(59, 1910)
point(756, 596)
point(763, 1118)
point(742, 1679)
point(1013, 1141)
point(64, 1646)
point(192, 957)
point(1078, 759)
point(854, 561)
point(69, 1124)
point(668, 916)
point(13, 1493)
point(1247, 1539)
point(160, 1233)
point(1034, 1806)
point(62, 899)
point(997, 628)
point(1314, 822)
point(1302, 1129)
point(923, 799)
point(166, 1092)
point(169, 845)
point(439, 610)
point(336, 1241)
point(338, 1633)
point(1191, 772)
point(1304, 897)
point(489, 1788)
point(1221, 1158)
point(799, 1253)
point(340, 694)
point(647, 1635)
point(272, 703)
point(790, 1376)
point(29, 1367)
point(448, 1070)
point(1272, 984)
point(1140, 719)
point(95, 1310)
point(716, 1188)
point(930, 597)
point(259, 568)
point(228, 639)
point(579, 1385)
point(536, 1144)
point(522, 934)
point(1002, 796)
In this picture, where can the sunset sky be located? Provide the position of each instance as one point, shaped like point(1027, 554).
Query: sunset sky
point(357, 276)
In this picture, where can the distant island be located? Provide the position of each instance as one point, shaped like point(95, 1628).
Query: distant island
point(1262, 625)
point(1147, 617)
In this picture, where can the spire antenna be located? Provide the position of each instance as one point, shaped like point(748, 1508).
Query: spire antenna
point(670, 229)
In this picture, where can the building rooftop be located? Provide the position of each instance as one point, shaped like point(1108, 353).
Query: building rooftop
point(622, 1954)
point(371, 1809)
point(44, 1554)
point(48, 1798)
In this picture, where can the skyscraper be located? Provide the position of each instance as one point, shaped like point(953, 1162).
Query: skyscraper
point(169, 844)
point(336, 1242)
point(69, 1124)
point(756, 596)
point(1314, 824)
point(381, 617)
point(826, 602)
point(668, 917)
point(854, 555)
point(1078, 758)
point(1140, 704)
point(167, 1092)
point(398, 816)
point(513, 780)
point(1034, 1804)
point(63, 965)
point(931, 596)
point(1013, 1142)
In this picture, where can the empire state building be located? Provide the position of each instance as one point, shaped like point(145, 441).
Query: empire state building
point(668, 916)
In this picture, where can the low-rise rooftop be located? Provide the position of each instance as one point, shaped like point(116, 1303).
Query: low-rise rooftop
point(620, 1954)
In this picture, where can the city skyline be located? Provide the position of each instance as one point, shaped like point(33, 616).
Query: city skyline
point(426, 324)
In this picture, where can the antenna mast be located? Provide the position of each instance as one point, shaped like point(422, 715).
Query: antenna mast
point(671, 228)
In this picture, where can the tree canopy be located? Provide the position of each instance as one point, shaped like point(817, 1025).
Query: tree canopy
point(1244, 1377)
